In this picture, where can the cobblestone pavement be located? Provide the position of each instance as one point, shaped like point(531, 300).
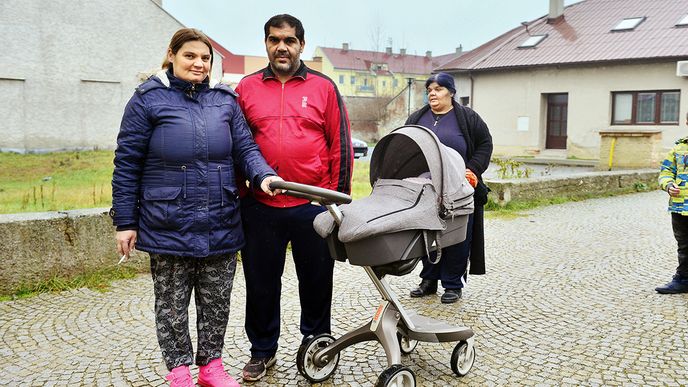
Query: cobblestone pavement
point(568, 300)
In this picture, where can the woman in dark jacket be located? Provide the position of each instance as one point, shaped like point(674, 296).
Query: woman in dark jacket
point(175, 196)
point(463, 130)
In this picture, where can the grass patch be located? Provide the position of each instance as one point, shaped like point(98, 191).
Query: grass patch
point(98, 280)
point(70, 180)
point(55, 181)
point(360, 186)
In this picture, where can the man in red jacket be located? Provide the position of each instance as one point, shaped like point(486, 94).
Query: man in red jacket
point(300, 123)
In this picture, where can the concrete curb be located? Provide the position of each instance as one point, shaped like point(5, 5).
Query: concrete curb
point(42, 245)
point(578, 185)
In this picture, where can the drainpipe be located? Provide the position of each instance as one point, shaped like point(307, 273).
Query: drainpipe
point(611, 153)
point(471, 99)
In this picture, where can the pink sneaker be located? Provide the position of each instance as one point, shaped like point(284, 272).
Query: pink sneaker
point(213, 375)
point(180, 377)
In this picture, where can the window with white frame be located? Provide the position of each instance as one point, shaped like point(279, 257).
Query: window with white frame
point(683, 22)
point(628, 24)
point(532, 41)
point(645, 107)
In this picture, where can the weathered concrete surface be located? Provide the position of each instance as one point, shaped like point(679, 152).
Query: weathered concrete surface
point(568, 300)
point(38, 246)
point(580, 185)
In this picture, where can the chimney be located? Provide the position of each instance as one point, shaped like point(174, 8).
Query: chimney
point(388, 50)
point(345, 46)
point(402, 51)
point(459, 49)
point(428, 54)
point(556, 11)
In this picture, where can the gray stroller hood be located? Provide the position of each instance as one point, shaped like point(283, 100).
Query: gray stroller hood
point(411, 151)
point(418, 183)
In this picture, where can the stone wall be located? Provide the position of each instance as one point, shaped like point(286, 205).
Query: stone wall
point(581, 185)
point(630, 149)
point(39, 246)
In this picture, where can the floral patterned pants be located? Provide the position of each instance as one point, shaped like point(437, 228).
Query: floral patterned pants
point(211, 279)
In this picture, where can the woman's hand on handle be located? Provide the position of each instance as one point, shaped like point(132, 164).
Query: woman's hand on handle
point(126, 240)
point(265, 185)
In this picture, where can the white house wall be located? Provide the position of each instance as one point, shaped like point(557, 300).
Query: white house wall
point(502, 97)
point(69, 67)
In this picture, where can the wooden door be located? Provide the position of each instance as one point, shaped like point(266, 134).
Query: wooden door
point(557, 115)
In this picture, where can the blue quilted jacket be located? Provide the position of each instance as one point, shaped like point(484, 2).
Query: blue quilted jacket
point(174, 167)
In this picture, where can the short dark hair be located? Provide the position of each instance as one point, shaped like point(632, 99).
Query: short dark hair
point(278, 21)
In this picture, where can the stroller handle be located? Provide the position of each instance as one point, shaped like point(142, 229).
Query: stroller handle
point(323, 196)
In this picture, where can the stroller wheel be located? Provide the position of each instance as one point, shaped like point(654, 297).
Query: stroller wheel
point(396, 376)
point(406, 344)
point(305, 357)
point(462, 358)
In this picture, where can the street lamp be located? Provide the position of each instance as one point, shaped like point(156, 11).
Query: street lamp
point(410, 82)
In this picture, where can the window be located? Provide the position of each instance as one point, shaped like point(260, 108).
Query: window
point(464, 100)
point(341, 79)
point(384, 83)
point(645, 107)
point(628, 24)
point(365, 81)
point(353, 80)
point(395, 82)
point(532, 41)
point(683, 22)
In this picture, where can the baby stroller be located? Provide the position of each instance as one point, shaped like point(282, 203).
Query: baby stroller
point(420, 203)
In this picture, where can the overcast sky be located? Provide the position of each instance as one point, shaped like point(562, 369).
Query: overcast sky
point(436, 25)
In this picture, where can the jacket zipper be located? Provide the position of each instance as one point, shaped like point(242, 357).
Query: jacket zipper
point(398, 211)
point(184, 171)
point(280, 129)
point(222, 196)
point(191, 90)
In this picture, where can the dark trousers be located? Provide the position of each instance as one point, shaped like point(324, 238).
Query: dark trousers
point(211, 279)
point(680, 225)
point(268, 230)
point(453, 264)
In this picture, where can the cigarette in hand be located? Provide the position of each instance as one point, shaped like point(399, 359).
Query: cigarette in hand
point(122, 259)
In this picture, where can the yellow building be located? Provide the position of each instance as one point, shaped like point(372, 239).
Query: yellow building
point(360, 73)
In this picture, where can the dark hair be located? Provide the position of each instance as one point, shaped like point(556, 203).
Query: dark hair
point(278, 21)
point(444, 80)
point(187, 35)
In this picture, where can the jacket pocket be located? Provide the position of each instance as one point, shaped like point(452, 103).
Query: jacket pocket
point(229, 209)
point(161, 208)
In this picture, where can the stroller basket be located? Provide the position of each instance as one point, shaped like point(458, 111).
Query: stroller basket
point(389, 249)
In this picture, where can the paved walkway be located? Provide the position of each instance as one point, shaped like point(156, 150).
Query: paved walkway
point(568, 300)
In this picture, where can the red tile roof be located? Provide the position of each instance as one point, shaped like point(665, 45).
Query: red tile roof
point(361, 60)
point(584, 36)
point(231, 63)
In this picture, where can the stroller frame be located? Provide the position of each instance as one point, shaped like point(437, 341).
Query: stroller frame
point(396, 329)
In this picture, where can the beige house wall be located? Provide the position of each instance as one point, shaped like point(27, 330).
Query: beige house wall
point(503, 98)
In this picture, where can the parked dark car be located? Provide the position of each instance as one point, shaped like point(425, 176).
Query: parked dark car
point(360, 148)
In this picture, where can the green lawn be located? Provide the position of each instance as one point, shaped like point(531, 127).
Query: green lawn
point(55, 181)
point(70, 180)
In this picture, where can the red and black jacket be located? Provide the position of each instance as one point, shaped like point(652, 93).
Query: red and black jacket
point(302, 129)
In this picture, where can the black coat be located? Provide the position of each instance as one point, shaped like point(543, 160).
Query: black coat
point(478, 153)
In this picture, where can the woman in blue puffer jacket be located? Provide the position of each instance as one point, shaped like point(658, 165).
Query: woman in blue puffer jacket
point(175, 196)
